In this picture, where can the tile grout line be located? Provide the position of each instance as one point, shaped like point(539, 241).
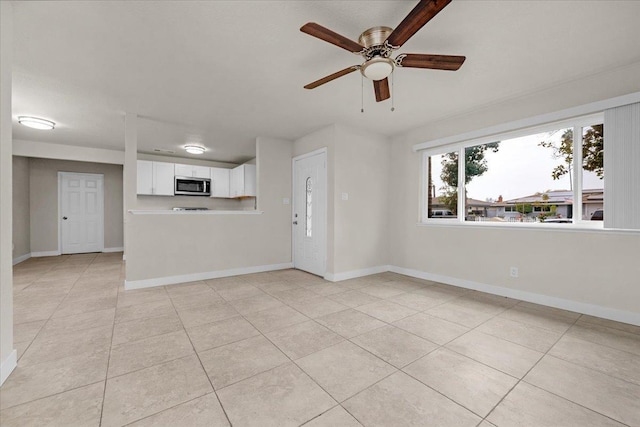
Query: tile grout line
point(435, 349)
point(319, 415)
point(106, 374)
point(597, 370)
point(527, 373)
point(389, 324)
point(396, 370)
point(198, 357)
point(42, 328)
point(294, 360)
point(546, 353)
point(344, 338)
point(263, 334)
point(166, 409)
point(575, 403)
point(286, 355)
point(518, 379)
point(605, 345)
point(51, 395)
point(54, 310)
point(443, 346)
point(34, 281)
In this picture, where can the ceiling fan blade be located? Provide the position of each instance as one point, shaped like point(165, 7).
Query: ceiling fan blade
point(332, 77)
point(329, 36)
point(420, 15)
point(381, 88)
point(435, 62)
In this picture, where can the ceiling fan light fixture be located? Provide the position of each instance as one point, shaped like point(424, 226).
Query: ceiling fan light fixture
point(36, 123)
point(377, 68)
point(194, 149)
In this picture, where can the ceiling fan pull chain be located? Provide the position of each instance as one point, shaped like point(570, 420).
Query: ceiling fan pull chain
point(362, 94)
point(393, 108)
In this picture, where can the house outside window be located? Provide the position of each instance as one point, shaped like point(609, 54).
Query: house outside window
point(552, 173)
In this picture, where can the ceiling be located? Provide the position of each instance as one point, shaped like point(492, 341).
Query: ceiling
point(222, 73)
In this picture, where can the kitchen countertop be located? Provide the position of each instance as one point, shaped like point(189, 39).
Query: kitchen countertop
point(208, 212)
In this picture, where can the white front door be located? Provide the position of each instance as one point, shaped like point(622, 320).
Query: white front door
point(310, 212)
point(81, 212)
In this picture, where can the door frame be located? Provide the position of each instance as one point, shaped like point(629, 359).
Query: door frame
point(99, 176)
point(322, 151)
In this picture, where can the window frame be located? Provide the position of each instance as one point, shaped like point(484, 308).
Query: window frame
point(577, 123)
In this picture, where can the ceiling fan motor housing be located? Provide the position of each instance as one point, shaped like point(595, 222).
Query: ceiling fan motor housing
point(374, 36)
point(373, 41)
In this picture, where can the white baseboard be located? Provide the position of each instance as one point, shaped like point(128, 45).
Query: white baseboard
point(632, 318)
point(565, 304)
point(8, 365)
point(21, 258)
point(118, 249)
point(45, 253)
point(170, 280)
point(337, 277)
point(57, 253)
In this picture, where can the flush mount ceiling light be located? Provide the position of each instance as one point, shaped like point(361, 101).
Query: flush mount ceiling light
point(194, 149)
point(36, 123)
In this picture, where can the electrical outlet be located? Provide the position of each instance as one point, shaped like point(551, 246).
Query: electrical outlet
point(513, 271)
point(345, 196)
point(285, 201)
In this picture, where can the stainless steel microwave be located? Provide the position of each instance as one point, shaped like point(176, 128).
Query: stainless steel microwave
point(189, 186)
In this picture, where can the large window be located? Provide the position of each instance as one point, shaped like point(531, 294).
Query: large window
point(552, 174)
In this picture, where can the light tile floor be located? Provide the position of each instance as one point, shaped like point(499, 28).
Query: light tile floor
point(286, 348)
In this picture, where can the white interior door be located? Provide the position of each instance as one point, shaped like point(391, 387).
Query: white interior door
point(310, 213)
point(81, 212)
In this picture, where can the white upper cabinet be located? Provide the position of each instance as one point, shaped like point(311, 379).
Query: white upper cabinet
point(145, 177)
point(243, 181)
point(155, 178)
point(201, 172)
point(163, 179)
point(192, 171)
point(220, 182)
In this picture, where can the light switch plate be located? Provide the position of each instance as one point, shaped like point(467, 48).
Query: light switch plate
point(345, 196)
point(285, 201)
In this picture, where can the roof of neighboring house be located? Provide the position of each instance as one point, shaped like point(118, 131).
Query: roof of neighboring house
point(436, 201)
point(592, 196)
point(476, 202)
point(555, 197)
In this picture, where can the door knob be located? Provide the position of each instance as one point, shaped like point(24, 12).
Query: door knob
point(295, 222)
point(64, 217)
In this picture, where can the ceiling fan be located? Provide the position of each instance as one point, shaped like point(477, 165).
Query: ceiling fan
point(377, 44)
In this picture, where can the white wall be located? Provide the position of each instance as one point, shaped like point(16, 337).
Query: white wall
point(21, 219)
point(361, 222)
point(357, 164)
point(185, 161)
point(48, 150)
point(591, 268)
point(169, 202)
point(7, 352)
point(161, 247)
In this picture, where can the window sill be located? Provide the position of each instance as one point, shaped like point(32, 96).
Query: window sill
point(583, 227)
